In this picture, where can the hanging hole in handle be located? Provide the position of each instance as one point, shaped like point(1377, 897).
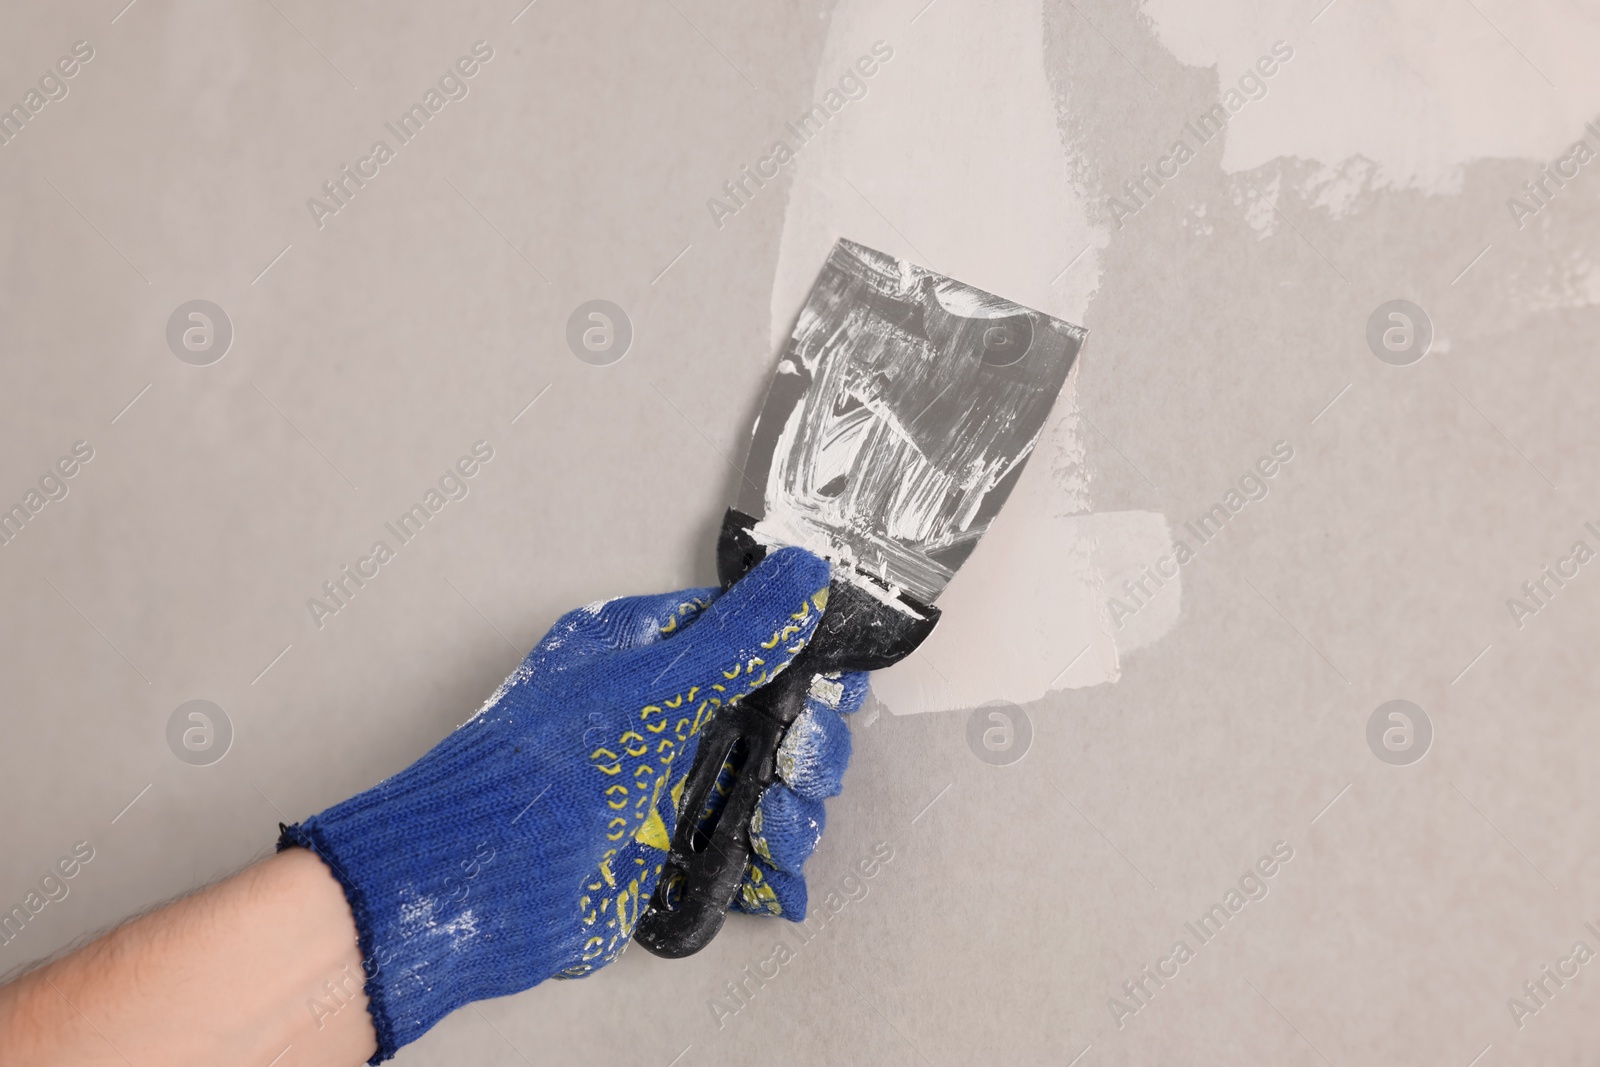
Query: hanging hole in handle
point(669, 890)
point(717, 799)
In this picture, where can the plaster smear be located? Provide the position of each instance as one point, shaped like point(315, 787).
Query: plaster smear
point(1025, 613)
point(1398, 95)
point(1387, 95)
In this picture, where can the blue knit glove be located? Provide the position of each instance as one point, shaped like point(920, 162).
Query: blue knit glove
point(789, 818)
point(525, 845)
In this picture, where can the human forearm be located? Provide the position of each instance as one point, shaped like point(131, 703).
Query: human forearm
point(233, 974)
point(524, 846)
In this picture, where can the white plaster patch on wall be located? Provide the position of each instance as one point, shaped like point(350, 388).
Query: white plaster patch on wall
point(1337, 188)
point(1002, 215)
point(1119, 540)
point(1026, 614)
point(1262, 212)
point(1573, 282)
point(1419, 88)
point(1389, 96)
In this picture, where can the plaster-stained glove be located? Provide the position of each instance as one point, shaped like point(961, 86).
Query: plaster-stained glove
point(789, 818)
point(525, 845)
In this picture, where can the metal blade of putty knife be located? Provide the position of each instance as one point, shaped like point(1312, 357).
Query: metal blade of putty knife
point(900, 417)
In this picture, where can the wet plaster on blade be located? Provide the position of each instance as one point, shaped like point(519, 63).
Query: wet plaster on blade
point(1007, 219)
point(892, 432)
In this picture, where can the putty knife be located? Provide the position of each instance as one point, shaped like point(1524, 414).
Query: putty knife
point(897, 423)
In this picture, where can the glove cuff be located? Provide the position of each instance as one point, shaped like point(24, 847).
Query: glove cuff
point(304, 835)
point(437, 870)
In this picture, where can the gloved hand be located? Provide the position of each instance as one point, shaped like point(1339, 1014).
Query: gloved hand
point(789, 818)
point(526, 844)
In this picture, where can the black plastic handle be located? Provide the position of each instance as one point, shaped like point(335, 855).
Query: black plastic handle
point(710, 853)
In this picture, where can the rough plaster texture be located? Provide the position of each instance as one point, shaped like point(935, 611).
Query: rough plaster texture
point(1224, 316)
